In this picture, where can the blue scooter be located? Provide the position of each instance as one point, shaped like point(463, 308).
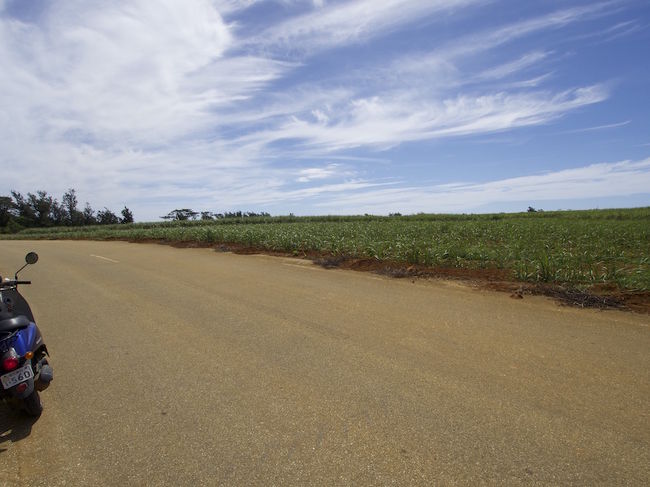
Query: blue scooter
point(24, 369)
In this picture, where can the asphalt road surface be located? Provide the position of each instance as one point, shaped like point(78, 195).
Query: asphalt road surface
point(194, 367)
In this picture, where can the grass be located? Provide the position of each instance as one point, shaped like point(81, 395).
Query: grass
point(576, 248)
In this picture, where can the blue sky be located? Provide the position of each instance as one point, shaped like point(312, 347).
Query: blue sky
point(324, 107)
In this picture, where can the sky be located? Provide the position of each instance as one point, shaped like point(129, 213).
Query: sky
point(327, 106)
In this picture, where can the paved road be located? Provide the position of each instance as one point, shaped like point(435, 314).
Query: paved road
point(193, 367)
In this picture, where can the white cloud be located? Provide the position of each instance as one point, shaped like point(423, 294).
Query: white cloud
point(384, 122)
point(602, 180)
point(343, 23)
point(598, 127)
point(314, 3)
point(112, 97)
point(530, 82)
point(507, 69)
point(320, 116)
point(414, 96)
point(444, 61)
point(271, 196)
point(421, 96)
point(226, 7)
point(555, 20)
point(312, 173)
point(125, 72)
point(618, 179)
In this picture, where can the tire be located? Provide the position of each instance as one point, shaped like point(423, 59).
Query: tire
point(32, 404)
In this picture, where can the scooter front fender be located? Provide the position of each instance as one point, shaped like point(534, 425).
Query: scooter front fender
point(28, 340)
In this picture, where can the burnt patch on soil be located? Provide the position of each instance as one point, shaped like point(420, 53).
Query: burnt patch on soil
point(600, 296)
point(584, 299)
point(329, 261)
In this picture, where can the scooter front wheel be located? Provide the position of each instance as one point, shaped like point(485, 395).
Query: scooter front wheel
point(32, 404)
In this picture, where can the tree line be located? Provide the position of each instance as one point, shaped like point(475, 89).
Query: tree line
point(185, 214)
point(43, 210)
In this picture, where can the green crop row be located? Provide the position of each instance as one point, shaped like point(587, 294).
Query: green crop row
point(577, 248)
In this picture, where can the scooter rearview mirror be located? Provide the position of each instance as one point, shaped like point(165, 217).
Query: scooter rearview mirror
point(30, 258)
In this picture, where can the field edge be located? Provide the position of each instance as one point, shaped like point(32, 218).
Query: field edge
point(600, 296)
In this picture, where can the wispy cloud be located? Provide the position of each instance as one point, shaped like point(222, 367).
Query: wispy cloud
point(598, 127)
point(131, 72)
point(613, 32)
point(225, 7)
point(447, 57)
point(597, 180)
point(382, 123)
point(516, 66)
point(313, 173)
point(344, 23)
point(417, 99)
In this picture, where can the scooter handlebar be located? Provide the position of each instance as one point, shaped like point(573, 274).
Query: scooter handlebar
point(12, 282)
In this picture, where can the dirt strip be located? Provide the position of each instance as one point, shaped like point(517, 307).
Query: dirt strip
point(600, 296)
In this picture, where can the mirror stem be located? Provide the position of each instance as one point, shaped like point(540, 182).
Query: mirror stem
point(16, 274)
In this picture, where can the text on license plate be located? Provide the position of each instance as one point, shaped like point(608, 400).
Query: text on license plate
point(17, 376)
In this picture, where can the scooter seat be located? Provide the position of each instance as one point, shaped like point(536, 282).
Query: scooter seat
point(15, 323)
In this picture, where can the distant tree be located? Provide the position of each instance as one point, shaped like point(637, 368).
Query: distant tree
point(24, 212)
point(127, 216)
point(107, 217)
point(42, 210)
point(239, 214)
point(69, 204)
point(251, 214)
point(88, 215)
point(531, 210)
point(6, 207)
point(41, 204)
point(207, 215)
point(58, 214)
point(181, 215)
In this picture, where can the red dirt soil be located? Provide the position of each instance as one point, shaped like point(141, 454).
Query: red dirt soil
point(602, 296)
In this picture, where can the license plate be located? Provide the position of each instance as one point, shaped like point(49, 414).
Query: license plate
point(17, 376)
